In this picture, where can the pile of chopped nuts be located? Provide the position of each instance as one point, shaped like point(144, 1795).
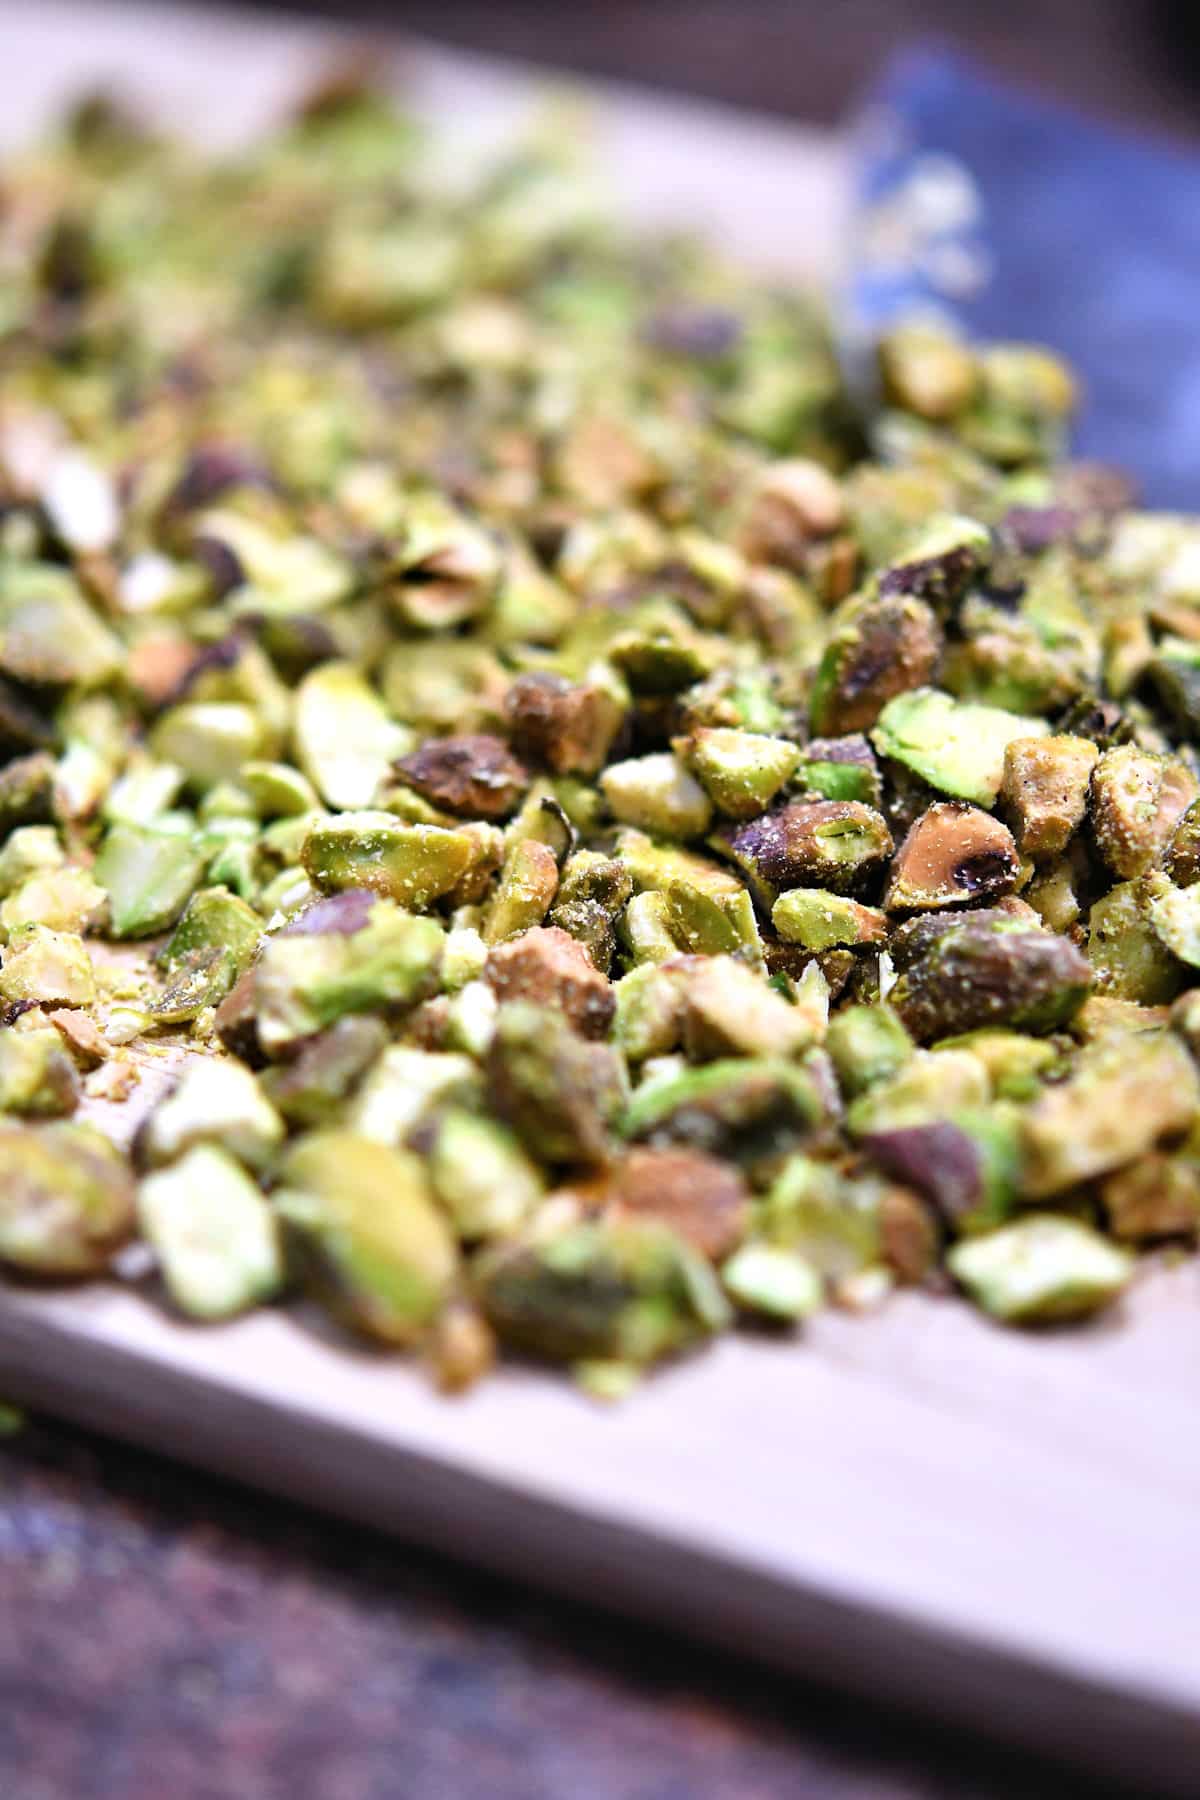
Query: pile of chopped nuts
point(608, 839)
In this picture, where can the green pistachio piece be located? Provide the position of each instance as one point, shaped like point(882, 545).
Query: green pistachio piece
point(216, 1238)
point(404, 1086)
point(412, 864)
point(49, 635)
point(956, 746)
point(650, 1009)
point(64, 899)
point(835, 844)
point(868, 1044)
point(213, 942)
point(657, 793)
point(745, 1109)
point(1174, 915)
point(526, 890)
point(216, 1100)
point(886, 647)
point(1132, 951)
point(923, 1086)
point(209, 740)
point(711, 924)
point(345, 741)
point(316, 1087)
point(991, 971)
point(29, 850)
point(831, 1223)
point(647, 929)
point(277, 791)
point(1045, 791)
point(481, 1175)
point(149, 876)
point(143, 793)
point(729, 1010)
point(1041, 1269)
point(774, 1282)
point(560, 1093)
point(367, 1234)
point(47, 967)
point(305, 981)
point(37, 1075)
point(66, 1199)
point(1124, 1096)
point(820, 920)
point(632, 1291)
point(1137, 799)
point(742, 771)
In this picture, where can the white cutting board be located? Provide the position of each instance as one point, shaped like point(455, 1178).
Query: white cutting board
point(993, 1528)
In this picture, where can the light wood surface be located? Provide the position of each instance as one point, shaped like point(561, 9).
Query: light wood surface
point(997, 1529)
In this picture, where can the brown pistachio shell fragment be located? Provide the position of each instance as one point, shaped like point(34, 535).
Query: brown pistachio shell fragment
point(472, 777)
point(836, 844)
point(887, 647)
point(1045, 791)
point(549, 968)
point(1137, 799)
point(66, 1199)
point(992, 973)
point(952, 855)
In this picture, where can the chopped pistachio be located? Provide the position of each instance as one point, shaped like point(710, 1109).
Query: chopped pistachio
point(1045, 791)
point(657, 793)
point(1130, 949)
point(835, 844)
point(215, 1237)
point(885, 648)
point(526, 889)
point(149, 875)
point(367, 1234)
point(952, 854)
point(868, 1044)
point(28, 850)
point(1122, 1099)
point(64, 899)
point(1137, 799)
point(481, 1175)
point(631, 1290)
point(412, 864)
point(1040, 1269)
point(47, 967)
point(559, 1093)
point(957, 746)
point(800, 786)
point(37, 1075)
point(729, 1010)
point(66, 1199)
point(779, 1284)
point(990, 972)
point(820, 920)
point(742, 771)
point(216, 1101)
point(345, 742)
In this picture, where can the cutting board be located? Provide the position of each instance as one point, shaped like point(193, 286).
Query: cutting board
point(991, 1528)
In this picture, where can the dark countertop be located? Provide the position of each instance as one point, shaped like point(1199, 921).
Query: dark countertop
point(165, 1636)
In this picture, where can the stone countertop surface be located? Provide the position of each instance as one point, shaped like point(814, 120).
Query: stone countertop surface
point(168, 1636)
